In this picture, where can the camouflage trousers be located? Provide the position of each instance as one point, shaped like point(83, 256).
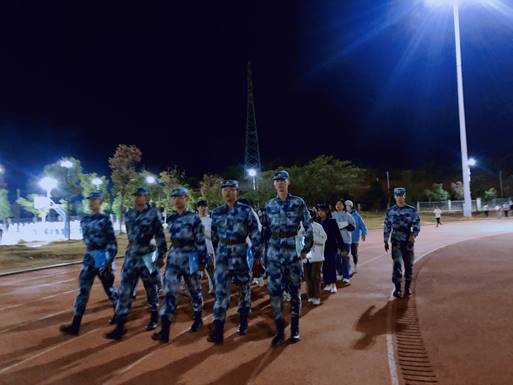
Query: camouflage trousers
point(133, 269)
point(285, 275)
point(402, 254)
point(224, 276)
point(85, 281)
point(175, 270)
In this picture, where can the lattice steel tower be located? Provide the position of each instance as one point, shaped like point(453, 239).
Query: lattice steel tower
point(252, 165)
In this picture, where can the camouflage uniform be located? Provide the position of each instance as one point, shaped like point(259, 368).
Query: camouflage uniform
point(142, 227)
point(402, 222)
point(98, 235)
point(188, 250)
point(230, 228)
point(283, 265)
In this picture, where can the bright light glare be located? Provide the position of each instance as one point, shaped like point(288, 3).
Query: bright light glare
point(472, 162)
point(150, 179)
point(252, 172)
point(66, 164)
point(2, 170)
point(445, 3)
point(48, 183)
point(97, 182)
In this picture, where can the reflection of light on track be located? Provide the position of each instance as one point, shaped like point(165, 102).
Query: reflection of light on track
point(37, 300)
point(43, 352)
point(18, 325)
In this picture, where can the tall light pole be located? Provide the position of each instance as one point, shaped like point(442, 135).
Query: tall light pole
point(252, 173)
point(465, 167)
point(67, 164)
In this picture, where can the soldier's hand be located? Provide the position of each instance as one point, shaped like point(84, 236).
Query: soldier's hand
point(387, 247)
point(364, 238)
point(159, 263)
point(412, 238)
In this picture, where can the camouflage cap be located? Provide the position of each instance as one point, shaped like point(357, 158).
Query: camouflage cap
point(281, 175)
point(230, 183)
point(141, 191)
point(95, 195)
point(202, 203)
point(179, 192)
point(399, 191)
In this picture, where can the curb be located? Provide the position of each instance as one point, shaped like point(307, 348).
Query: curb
point(76, 262)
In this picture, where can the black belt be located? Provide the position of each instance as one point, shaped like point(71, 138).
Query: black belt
point(182, 243)
point(232, 241)
point(284, 234)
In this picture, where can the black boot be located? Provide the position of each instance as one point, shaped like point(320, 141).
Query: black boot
point(407, 289)
point(154, 320)
point(197, 323)
point(242, 330)
point(397, 290)
point(294, 330)
point(163, 335)
point(279, 337)
point(217, 333)
point(74, 327)
point(118, 331)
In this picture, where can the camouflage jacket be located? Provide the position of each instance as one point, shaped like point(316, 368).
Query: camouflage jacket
point(98, 234)
point(230, 228)
point(401, 222)
point(142, 227)
point(281, 224)
point(187, 234)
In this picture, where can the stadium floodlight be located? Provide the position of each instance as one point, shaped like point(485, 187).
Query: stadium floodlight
point(66, 163)
point(97, 182)
point(252, 172)
point(48, 184)
point(150, 179)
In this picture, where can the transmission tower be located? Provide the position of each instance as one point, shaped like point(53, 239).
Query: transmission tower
point(252, 165)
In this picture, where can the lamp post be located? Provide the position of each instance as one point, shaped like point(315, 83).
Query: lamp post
point(48, 184)
point(67, 164)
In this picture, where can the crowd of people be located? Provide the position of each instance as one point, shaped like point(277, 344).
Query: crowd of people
point(233, 245)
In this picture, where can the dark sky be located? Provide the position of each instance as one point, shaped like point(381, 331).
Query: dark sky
point(372, 81)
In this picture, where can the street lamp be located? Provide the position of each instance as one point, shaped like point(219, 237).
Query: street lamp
point(150, 179)
point(97, 182)
point(67, 164)
point(472, 162)
point(252, 172)
point(48, 184)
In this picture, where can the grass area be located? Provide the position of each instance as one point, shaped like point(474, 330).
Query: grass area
point(22, 256)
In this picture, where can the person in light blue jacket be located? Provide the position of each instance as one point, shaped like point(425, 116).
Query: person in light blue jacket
point(360, 230)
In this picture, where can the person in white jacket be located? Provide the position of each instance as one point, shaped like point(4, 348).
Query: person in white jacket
point(313, 263)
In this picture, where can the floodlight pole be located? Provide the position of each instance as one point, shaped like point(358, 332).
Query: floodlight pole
point(467, 206)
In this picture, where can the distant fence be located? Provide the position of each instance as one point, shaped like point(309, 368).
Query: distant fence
point(478, 205)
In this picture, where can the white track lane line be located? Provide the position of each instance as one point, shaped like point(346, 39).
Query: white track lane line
point(36, 300)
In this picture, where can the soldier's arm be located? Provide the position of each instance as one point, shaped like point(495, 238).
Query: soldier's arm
point(416, 224)
point(160, 238)
point(199, 238)
point(307, 224)
point(112, 244)
point(387, 226)
point(213, 232)
point(255, 235)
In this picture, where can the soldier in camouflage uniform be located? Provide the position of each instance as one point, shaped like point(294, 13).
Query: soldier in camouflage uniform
point(100, 241)
point(187, 257)
point(284, 215)
point(232, 223)
point(142, 260)
point(403, 222)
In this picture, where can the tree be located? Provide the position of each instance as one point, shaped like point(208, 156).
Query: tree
point(210, 188)
point(28, 205)
point(5, 207)
point(69, 186)
point(123, 165)
point(171, 178)
point(437, 193)
point(457, 189)
point(490, 194)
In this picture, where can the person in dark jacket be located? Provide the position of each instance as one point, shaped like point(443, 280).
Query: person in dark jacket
point(332, 248)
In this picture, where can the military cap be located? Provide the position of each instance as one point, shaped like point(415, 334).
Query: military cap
point(281, 175)
point(179, 192)
point(141, 191)
point(95, 195)
point(399, 191)
point(202, 202)
point(230, 183)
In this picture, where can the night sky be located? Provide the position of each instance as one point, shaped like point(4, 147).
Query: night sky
point(372, 81)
